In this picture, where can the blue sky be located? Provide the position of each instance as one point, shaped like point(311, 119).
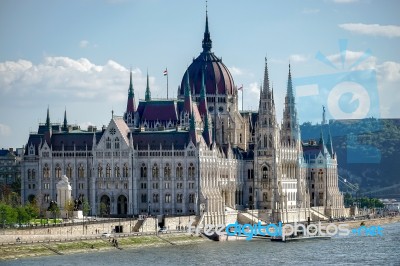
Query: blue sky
point(77, 54)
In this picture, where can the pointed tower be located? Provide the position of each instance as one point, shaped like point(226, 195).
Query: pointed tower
point(203, 100)
point(148, 93)
point(188, 96)
point(130, 106)
point(65, 123)
point(207, 43)
point(290, 126)
point(266, 115)
point(48, 130)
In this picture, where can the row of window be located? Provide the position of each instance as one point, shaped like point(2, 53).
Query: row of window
point(155, 185)
point(155, 171)
point(117, 171)
point(58, 172)
point(167, 198)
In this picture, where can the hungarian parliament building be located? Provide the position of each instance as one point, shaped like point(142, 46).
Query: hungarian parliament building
point(194, 155)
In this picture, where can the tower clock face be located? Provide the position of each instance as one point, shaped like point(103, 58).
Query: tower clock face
point(112, 131)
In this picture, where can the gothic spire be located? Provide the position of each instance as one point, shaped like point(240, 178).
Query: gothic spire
point(148, 93)
point(289, 92)
point(207, 43)
point(65, 124)
point(188, 96)
point(48, 125)
point(130, 106)
point(203, 100)
point(290, 127)
point(266, 78)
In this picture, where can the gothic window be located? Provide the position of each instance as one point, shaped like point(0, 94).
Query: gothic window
point(179, 171)
point(240, 138)
point(108, 143)
point(250, 190)
point(265, 141)
point(116, 143)
point(143, 198)
point(191, 172)
point(117, 171)
point(320, 174)
point(265, 172)
point(100, 171)
point(155, 171)
point(46, 171)
point(29, 174)
point(167, 171)
point(108, 170)
point(143, 171)
point(167, 198)
point(179, 198)
point(191, 198)
point(81, 171)
point(155, 198)
point(270, 140)
point(58, 171)
point(69, 171)
point(125, 171)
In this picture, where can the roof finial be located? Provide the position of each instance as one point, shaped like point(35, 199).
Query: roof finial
point(207, 43)
point(148, 93)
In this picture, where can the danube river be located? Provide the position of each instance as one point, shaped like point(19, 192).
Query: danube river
point(349, 250)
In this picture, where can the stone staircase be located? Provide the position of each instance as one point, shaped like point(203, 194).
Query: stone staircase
point(316, 215)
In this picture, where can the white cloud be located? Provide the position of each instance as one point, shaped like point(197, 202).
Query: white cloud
point(235, 71)
point(372, 29)
point(298, 58)
point(60, 78)
point(83, 43)
point(5, 130)
point(310, 10)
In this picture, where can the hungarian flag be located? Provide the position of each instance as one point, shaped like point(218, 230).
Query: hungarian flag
point(165, 72)
point(241, 88)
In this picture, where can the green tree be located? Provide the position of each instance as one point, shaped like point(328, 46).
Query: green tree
point(69, 207)
point(55, 210)
point(8, 215)
point(103, 209)
point(85, 207)
point(22, 215)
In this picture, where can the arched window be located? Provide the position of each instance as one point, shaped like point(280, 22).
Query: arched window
point(265, 172)
point(270, 141)
point(191, 198)
point(81, 171)
point(167, 171)
point(108, 143)
point(33, 174)
point(29, 174)
point(265, 141)
point(58, 171)
point(167, 198)
point(179, 198)
point(125, 171)
point(46, 171)
point(143, 171)
point(108, 170)
point(117, 171)
point(155, 198)
point(116, 143)
point(179, 171)
point(191, 169)
point(100, 171)
point(155, 171)
point(69, 171)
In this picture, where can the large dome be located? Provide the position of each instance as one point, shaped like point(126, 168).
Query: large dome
point(216, 74)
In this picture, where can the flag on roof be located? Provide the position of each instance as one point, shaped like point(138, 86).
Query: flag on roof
point(165, 72)
point(241, 88)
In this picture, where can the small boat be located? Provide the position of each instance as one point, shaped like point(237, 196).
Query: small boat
point(298, 238)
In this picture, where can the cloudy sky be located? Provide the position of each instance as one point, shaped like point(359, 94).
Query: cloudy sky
point(76, 55)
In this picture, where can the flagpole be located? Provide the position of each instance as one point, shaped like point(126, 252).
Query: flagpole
point(167, 82)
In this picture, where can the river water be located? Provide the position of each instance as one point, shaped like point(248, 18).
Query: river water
point(340, 250)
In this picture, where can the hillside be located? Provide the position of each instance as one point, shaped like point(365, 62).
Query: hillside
point(368, 153)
